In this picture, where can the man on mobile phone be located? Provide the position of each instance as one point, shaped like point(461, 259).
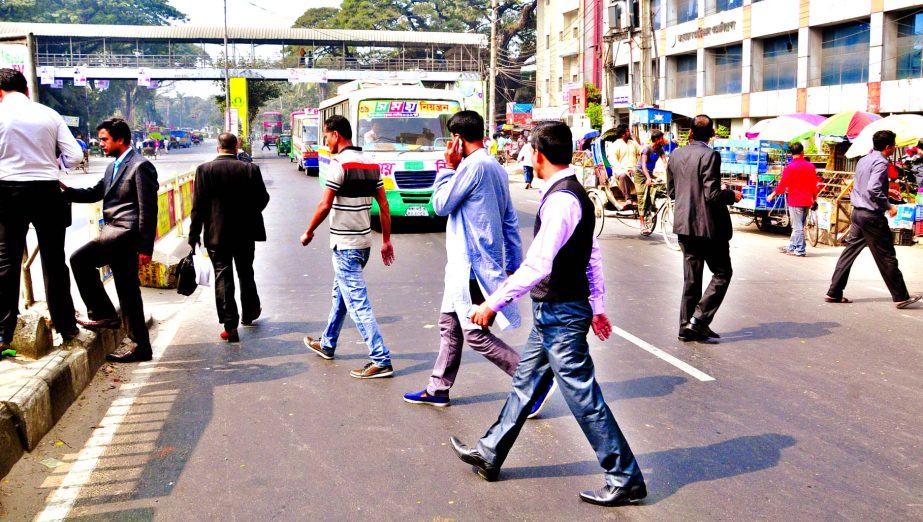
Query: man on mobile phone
point(482, 247)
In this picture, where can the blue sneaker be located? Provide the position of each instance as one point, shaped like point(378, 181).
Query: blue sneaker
point(421, 397)
point(543, 400)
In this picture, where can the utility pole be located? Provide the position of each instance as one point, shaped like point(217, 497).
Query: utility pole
point(492, 75)
point(647, 71)
point(227, 82)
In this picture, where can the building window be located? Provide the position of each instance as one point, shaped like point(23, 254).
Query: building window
point(910, 46)
point(621, 76)
point(726, 71)
point(560, 83)
point(655, 91)
point(780, 62)
point(548, 88)
point(683, 82)
point(576, 32)
point(717, 6)
point(845, 54)
point(547, 41)
point(686, 10)
point(657, 10)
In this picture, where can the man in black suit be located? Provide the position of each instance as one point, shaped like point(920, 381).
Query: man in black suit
point(703, 224)
point(228, 201)
point(128, 191)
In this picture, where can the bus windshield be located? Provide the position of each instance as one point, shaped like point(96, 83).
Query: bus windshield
point(309, 131)
point(405, 125)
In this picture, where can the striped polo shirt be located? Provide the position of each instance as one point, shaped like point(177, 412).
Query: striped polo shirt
point(355, 180)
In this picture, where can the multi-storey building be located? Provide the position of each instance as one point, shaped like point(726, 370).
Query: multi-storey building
point(569, 49)
point(745, 60)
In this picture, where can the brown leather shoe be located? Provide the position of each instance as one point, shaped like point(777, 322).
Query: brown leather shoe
point(113, 323)
point(136, 355)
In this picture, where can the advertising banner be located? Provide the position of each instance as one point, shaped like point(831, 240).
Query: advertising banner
point(144, 78)
point(238, 88)
point(80, 78)
point(101, 85)
point(46, 75)
point(307, 76)
point(406, 108)
point(71, 121)
point(473, 93)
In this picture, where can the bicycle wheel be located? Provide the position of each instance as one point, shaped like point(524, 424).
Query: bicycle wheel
point(666, 226)
point(811, 230)
point(599, 210)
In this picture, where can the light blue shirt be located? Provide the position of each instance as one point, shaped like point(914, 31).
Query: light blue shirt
point(117, 164)
point(482, 234)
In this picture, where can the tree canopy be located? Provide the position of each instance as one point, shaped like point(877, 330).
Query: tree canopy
point(123, 12)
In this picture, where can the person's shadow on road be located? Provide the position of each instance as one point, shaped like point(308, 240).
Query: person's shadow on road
point(781, 331)
point(666, 472)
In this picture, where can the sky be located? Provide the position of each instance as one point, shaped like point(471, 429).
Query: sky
point(249, 13)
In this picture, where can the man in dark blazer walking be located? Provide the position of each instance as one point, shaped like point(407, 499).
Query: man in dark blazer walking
point(703, 224)
point(228, 201)
point(128, 191)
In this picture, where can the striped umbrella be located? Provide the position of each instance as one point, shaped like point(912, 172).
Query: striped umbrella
point(846, 125)
point(907, 127)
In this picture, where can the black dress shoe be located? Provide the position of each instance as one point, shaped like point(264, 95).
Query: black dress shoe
point(614, 495)
point(96, 324)
point(694, 333)
point(136, 355)
point(251, 320)
point(484, 469)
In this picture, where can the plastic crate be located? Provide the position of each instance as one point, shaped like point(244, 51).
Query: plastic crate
point(902, 236)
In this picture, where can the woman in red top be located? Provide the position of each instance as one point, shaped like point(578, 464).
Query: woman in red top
point(800, 180)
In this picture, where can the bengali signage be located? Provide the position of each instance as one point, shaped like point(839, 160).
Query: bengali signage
point(71, 121)
point(13, 56)
point(704, 32)
point(80, 77)
point(406, 108)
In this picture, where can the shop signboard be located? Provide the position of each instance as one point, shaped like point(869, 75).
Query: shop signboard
point(548, 113)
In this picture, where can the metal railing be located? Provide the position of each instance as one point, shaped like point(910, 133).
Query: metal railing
point(197, 62)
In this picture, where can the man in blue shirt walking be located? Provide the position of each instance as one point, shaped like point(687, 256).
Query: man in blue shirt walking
point(482, 247)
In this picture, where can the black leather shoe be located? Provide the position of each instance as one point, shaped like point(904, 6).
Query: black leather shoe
point(484, 469)
point(113, 323)
point(696, 333)
point(614, 495)
point(136, 355)
point(709, 332)
point(251, 320)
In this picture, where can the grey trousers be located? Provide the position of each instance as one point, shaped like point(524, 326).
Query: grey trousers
point(450, 353)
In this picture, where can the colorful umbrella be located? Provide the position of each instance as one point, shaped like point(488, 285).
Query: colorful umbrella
point(908, 127)
point(783, 128)
point(846, 124)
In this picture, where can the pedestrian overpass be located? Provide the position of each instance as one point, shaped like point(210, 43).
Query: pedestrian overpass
point(116, 52)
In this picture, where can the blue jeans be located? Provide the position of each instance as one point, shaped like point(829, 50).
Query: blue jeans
point(798, 215)
point(350, 294)
point(557, 348)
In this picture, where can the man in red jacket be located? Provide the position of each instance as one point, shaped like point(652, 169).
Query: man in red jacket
point(800, 179)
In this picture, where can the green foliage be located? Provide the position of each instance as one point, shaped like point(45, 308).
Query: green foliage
point(722, 132)
point(594, 112)
point(592, 94)
point(121, 12)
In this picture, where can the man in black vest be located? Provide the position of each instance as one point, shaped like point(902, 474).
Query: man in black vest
point(228, 202)
point(563, 270)
point(703, 224)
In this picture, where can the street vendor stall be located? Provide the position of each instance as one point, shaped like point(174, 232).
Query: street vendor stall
point(754, 168)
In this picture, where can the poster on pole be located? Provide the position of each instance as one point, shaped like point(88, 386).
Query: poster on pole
point(238, 88)
point(473, 93)
point(80, 77)
point(101, 85)
point(58, 84)
point(71, 121)
point(307, 76)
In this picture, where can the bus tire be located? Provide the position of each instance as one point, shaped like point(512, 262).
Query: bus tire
point(313, 171)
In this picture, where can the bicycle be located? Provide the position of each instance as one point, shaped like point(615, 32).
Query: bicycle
point(811, 228)
point(659, 210)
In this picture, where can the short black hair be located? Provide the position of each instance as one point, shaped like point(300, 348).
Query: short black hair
point(555, 141)
point(12, 80)
point(620, 129)
point(883, 139)
point(656, 134)
point(703, 128)
point(117, 128)
point(227, 141)
point(467, 124)
point(796, 148)
point(340, 125)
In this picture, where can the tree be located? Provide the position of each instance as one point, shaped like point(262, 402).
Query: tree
point(120, 12)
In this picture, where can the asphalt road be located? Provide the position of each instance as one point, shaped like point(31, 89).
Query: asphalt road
point(814, 411)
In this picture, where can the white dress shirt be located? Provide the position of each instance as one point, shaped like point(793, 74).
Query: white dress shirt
point(30, 133)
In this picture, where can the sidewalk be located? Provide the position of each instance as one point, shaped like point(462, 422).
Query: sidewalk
point(34, 394)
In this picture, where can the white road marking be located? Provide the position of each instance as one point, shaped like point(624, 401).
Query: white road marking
point(63, 499)
point(657, 352)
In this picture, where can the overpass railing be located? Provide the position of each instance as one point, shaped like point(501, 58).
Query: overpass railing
point(198, 62)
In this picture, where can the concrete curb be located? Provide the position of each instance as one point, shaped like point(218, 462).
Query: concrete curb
point(43, 399)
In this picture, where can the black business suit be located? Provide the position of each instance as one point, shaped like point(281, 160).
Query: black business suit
point(129, 199)
point(228, 200)
point(703, 224)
